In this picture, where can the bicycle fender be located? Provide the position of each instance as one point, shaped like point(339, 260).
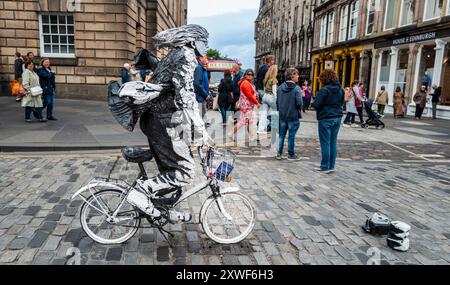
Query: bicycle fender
point(98, 184)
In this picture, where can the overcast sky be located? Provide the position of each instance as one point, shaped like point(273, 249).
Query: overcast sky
point(230, 24)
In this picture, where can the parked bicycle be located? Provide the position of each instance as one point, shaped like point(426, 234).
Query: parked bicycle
point(227, 216)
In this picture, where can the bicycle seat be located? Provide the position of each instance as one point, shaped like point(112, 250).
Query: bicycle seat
point(136, 154)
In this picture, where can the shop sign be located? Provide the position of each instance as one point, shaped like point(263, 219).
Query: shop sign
point(413, 39)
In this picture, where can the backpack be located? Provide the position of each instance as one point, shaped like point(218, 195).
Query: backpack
point(348, 95)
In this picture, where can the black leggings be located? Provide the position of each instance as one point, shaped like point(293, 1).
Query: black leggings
point(350, 118)
point(361, 114)
point(419, 111)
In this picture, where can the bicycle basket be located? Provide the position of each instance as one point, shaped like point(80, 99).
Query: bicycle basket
point(221, 163)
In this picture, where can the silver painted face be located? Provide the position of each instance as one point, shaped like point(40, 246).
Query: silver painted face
point(201, 47)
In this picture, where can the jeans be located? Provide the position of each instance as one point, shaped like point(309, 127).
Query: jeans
point(292, 127)
point(269, 106)
point(328, 134)
point(419, 111)
point(360, 114)
point(435, 104)
point(48, 103)
point(350, 119)
point(202, 108)
point(37, 112)
point(381, 109)
point(224, 111)
point(306, 103)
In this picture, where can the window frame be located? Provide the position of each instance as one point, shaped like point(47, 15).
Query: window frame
point(41, 37)
point(323, 31)
point(330, 35)
point(352, 12)
point(426, 10)
point(401, 15)
point(368, 17)
point(385, 17)
point(343, 22)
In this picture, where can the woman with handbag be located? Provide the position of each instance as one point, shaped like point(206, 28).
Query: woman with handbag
point(47, 81)
point(247, 102)
point(32, 101)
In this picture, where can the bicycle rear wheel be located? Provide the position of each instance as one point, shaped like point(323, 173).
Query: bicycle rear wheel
point(220, 228)
point(104, 230)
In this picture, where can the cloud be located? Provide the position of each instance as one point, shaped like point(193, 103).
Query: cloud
point(202, 8)
point(232, 34)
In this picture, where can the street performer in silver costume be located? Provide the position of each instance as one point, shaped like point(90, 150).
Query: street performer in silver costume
point(168, 112)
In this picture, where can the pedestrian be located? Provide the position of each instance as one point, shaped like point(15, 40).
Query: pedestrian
point(226, 97)
point(237, 76)
point(399, 101)
point(125, 73)
point(247, 102)
point(32, 101)
point(420, 99)
point(269, 100)
point(359, 101)
point(351, 105)
point(201, 84)
point(18, 71)
point(261, 75)
point(329, 103)
point(290, 105)
point(307, 96)
point(382, 100)
point(48, 84)
point(436, 99)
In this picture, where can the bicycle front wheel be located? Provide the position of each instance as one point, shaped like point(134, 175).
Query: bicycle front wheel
point(99, 224)
point(229, 219)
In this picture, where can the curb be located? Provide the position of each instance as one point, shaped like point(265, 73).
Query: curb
point(10, 149)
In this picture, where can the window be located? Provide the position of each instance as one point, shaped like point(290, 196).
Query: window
point(370, 17)
point(385, 67)
point(432, 9)
point(323, 30)
point(57, 35)
point(330, 28)
point(407, 12)
point(391, 14)
point(343, 23)
point(354, 20)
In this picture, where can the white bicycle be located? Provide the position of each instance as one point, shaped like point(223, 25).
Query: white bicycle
point(227, 216)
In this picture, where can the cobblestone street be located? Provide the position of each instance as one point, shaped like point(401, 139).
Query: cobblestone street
point(303, 217)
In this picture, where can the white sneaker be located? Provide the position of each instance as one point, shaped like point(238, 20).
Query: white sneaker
point(346, 126)
point(353, 126)
point(176, 217)
point(143, 203)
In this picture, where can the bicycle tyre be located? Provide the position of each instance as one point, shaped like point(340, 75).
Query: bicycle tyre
point(84, 224)
point(239, 200)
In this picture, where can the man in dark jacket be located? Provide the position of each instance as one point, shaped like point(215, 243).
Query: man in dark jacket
point(237, 76)
point(436, 99)
point(125, 73)
point(270, 60)
point(289, 103)
point(201, 84)
point(329, 104)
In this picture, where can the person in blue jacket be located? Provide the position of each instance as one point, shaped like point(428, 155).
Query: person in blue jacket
point(329, 104)
point(201, 83)
point(48, 85)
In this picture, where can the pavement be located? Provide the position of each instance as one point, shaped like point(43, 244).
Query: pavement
point(303, 217)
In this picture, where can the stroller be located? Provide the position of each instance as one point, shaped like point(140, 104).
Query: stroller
point(374, 117)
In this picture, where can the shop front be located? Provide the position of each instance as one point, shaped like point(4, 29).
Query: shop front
point(411, 61)
point(345, 61)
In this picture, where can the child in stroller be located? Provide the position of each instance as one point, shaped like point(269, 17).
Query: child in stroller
point(374, 117)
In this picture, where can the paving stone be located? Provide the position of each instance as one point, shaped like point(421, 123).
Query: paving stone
point(114, 254)
point(38, 240)
point(162, 253)
point(18, 244)
point(260, 258)
point(8, 256)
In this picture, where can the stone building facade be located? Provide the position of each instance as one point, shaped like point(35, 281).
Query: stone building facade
point(391, 43)
point(87, 41)
point(284, 28)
